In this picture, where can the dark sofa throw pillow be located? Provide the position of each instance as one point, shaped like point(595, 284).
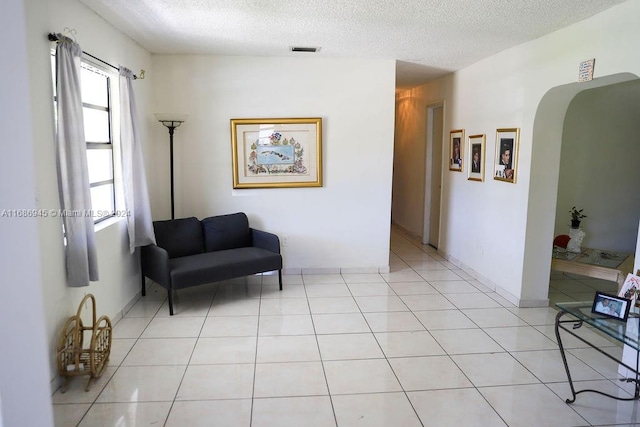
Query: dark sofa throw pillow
point(226, 232)
point(179, 237)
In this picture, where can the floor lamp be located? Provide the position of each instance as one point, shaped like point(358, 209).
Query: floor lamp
point(171, 121)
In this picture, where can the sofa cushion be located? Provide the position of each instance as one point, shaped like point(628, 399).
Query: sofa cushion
point(222, 265)
point(179, 237)
point(226, 232)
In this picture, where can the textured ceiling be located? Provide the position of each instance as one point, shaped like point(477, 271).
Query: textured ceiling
point(428, 38)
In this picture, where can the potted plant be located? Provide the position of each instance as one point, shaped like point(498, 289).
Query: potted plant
point(576, 216)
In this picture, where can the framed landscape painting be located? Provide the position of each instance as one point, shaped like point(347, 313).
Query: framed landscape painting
point(276, 153)
point(475, 167)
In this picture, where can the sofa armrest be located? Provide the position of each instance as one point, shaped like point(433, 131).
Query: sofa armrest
point(264, 240)
point(155, 265)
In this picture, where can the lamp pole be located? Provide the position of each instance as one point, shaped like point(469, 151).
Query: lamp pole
point(171, 121)
point(171, 129)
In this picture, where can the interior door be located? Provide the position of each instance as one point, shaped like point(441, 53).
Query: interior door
point(436, 176)
point(433, 175)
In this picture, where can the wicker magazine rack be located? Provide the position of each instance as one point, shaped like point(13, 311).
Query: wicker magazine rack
point(73, 358)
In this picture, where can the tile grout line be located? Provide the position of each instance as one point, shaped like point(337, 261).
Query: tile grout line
point(255, 359)
point(386, 358)
point(184, 374)
point(324, 370)
point(449, 356)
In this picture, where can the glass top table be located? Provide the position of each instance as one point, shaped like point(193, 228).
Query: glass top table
point(595, 263)
point(592, 256)
point(625, 332)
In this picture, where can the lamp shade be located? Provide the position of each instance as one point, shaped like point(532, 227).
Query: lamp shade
point(171, 120)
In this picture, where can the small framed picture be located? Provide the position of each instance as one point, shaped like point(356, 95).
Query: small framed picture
point(506, 161)
point(456, 138)
point(475, 164)
point(611, 306)
point(630, 288)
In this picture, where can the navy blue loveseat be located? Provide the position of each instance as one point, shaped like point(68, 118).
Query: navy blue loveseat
point(190, 252)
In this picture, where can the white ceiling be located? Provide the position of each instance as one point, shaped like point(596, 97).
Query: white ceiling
point(427, 38)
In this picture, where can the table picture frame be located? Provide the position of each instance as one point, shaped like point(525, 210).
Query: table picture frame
point(456, 147)
point(276, 153)
point(611, 306)
point(506, 161)
point(630, 288)
point(475, 166)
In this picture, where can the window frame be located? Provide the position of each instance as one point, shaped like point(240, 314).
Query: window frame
point(90, 66)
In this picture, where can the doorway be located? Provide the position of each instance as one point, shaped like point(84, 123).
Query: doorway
point(544, 177)
point(598, 175)
point(433, 175)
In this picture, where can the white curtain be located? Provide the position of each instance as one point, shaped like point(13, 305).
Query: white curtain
point(136, 197)
point(73, 176)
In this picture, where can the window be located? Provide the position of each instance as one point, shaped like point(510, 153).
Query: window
point(96, 106)
point(97, 109)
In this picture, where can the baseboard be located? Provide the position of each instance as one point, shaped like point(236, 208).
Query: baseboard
point(406, 232)
point(325, 270)
point(336, 270)
point(494, 287)
point(360, 270)
point(530, 303)
point(55, 384)
point(508, 296)
point(130, 304)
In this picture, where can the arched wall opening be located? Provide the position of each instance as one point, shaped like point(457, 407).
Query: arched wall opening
point(545, 171)
point(598, 166)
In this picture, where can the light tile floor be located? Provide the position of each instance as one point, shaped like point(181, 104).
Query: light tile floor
point(421, 345)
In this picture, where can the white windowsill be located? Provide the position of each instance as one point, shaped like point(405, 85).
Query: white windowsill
point(107, 223)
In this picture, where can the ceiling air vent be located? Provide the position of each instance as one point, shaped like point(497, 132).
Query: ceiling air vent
point(304, 49)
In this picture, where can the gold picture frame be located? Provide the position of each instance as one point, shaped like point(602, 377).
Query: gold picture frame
point(475, 166)
point(276, 153)
point(456, 147)
point(506, 161)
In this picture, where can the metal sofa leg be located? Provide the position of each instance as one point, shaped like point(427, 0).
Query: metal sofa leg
point(280, 278)
point(170, 302)
point(144, 284)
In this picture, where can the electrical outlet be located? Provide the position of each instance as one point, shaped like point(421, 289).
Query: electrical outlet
point(284, 240)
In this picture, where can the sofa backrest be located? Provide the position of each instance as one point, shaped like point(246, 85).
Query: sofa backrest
point(179, 237)
point(226, 232)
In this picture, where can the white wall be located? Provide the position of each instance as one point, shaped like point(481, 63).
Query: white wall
point(119, 274)
point(23, 361)
point(342, 225)
point(501, 232)
point(598, 166)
